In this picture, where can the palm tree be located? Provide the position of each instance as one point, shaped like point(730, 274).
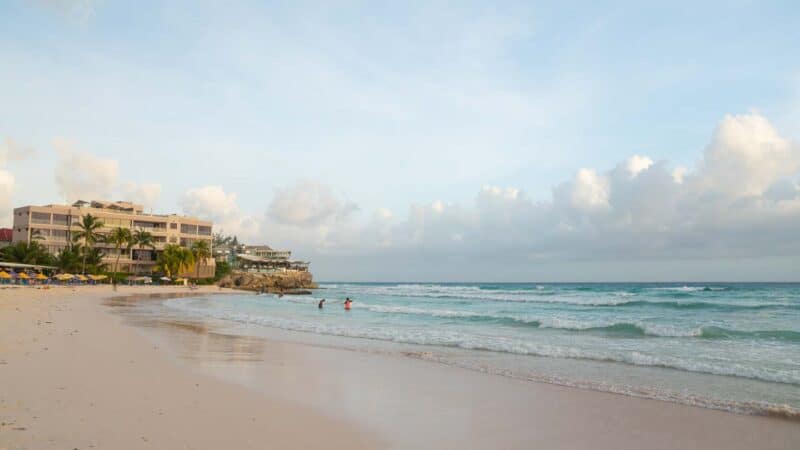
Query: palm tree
point(120, 237)
point(200, 250)
point(68, 259)
point(142, 239)
point(88, 232)
point(174, 259)
point(185, 260)
point(27, 253)
point(94, 263)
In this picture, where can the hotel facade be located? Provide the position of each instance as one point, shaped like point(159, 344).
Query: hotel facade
point(52, 226)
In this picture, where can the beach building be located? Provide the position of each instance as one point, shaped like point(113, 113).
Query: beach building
point(51, 226)
point(5, 237)
point(258, 258)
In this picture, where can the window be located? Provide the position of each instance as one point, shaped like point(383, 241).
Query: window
point(40, 232)
point(40, 217)
point(60, 219)
point(59, 235)
point(188, 229)
point(173, 226)
point(204, 231)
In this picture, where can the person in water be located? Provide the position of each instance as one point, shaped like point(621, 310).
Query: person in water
point(347, 304)
point(320, 303)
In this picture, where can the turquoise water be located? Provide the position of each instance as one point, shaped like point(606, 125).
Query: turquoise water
point(726, 346)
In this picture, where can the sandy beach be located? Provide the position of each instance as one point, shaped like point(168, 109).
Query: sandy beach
point(77, 373)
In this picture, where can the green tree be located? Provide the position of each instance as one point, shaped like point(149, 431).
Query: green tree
point(88, 233)
point(174, 259)
point(27, 253)
point(200, 251)
point(94, 261)
point(142, 239)
point(68, 259)
point(120, 238)
point(220, 239)
point(221, 269)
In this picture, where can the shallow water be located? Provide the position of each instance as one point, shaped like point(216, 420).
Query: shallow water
point(726, 346)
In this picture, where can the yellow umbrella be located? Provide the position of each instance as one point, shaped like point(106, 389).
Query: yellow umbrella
point(41, 276)
point(98, 277)
point(4, 275)
point(64, 277)
point(23, 275)
point(82, 278)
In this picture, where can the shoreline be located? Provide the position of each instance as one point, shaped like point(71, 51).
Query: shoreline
point(376, 398)
point(74, 376)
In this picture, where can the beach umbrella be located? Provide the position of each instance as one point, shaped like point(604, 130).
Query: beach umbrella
point(64, 277)
point(4, 275)
point(41, 276)
point(98, 277)
point(166, 279)
point(81, 277)
point(23, 276)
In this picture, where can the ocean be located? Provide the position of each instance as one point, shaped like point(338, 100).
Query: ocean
point(726, 346)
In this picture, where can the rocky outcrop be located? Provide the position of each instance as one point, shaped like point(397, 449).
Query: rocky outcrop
point(288, 282)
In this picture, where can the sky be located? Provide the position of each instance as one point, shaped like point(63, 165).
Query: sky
point(424, 141)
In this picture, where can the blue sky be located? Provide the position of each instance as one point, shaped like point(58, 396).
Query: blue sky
point(359, 112)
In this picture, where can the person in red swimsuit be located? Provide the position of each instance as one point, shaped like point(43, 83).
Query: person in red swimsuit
point(347, 304)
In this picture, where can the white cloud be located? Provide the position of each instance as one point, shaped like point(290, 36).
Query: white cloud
point(746, 156)
point(83, 176)
point(637, 209)
point(307, 204)
point(11, 150)
point(6, 190)
point(213, 203)
point(80, 175)
point(209, 202)
point(678, 174)
point(588, 191)
point(638, 163)
point(146, 194)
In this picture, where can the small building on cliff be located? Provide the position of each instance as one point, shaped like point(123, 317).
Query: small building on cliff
point(250, 263)
point(258, 259)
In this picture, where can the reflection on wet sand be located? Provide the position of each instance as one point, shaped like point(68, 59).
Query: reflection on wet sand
point(191, 339)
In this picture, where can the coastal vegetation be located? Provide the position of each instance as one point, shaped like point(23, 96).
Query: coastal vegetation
point(27, 253)
point(220, 239)
point(143, 240)
point(174, 259)
point(222, 269)
point(120, 238)
point(88, 232)
point(200, 252)
point(71, 260)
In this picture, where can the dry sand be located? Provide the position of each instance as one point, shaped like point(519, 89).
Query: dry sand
point(75, 375)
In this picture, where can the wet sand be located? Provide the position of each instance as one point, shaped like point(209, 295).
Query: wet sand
point(100, 374)
point(73, 376)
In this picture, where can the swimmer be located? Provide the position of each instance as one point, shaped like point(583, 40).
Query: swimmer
point(347, 304)
point(320, 303)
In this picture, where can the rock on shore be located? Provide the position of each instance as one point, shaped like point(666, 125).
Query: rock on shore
point(288, 282)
